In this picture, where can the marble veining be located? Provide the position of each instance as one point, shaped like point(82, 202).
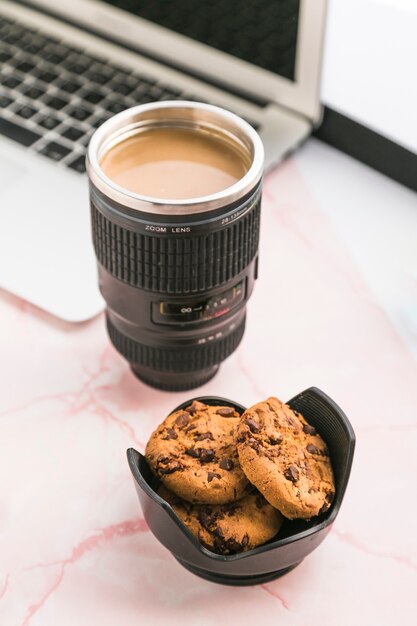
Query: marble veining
point(74, 548)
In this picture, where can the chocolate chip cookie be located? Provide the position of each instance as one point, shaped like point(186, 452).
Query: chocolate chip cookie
point(194, 454)
point(286, 459)
point(228, 528)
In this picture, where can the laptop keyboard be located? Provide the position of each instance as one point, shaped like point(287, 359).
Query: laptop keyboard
point(53, 96)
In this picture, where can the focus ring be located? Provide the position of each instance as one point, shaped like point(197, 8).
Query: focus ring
point(176, 265)
point(182, 359)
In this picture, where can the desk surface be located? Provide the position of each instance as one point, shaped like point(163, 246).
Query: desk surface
point(335, 307)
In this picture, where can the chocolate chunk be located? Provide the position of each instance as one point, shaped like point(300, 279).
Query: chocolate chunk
point(170, 468)
point(253, 443)
point(226, 412)
point(232, 545)
point(206, 517)
point(259, 501)
point(275, 439)
point(226, 464)
point(309, 430)
point(211, 475)
point(205, 456)
point(312, 449)
point(204, 436)
point(190, 427)
point(195, 406)
point(167, 465)
point(292, 473)
point(245, 540)
point(182, 419)
point(171, 434)
point(218, 545)
point(253, 426)
point(217, 532)
point(241, 437)
point(192, 452)
point(292, 422)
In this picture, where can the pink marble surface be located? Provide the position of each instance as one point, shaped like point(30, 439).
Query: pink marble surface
point(74, 548)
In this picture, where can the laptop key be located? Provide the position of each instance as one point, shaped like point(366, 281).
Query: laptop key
point(55, 151)
point(99, 75)
point(142, 98)
point(24, 66)
point(93, 97)
point(5, 56)
point(11, 38)
point(55, 102)
point(170, 93)
point(5, 101)
point(55, 53)
point(115, 106)
point(32, 48)
point(74, 66)
point(33, 92)
point(48, 121)
point(52, 57)
point(73, 133)
point(79, 113)
point(121, 89)
point(47, 76)
point(26, 112)
point(167, 95)
point(105, 69)
point(69, 85)
point(155, 92)
point(98, 122)
point(11, 82)
point(78, 164)
point(22, 135)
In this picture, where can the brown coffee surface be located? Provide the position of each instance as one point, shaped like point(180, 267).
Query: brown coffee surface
point(174, 163)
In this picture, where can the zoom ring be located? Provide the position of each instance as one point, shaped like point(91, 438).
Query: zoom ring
point(176, 265)
point(176, 359)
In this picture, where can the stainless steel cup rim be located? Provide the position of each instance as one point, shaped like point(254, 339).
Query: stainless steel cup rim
point(182, 113)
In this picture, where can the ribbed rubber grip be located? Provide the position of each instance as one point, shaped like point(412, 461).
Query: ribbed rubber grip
point(182, 359)
point(176, 265)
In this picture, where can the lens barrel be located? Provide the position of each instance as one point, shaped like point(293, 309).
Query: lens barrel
point(176, 275)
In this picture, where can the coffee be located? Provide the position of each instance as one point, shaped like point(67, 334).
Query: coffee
point(174, 163)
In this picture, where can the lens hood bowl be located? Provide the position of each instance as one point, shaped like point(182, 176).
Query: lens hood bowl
point(296, 538)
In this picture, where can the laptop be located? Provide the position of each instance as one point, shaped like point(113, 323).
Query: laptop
point(66, 67)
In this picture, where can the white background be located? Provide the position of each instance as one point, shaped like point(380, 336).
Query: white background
point(370, 65)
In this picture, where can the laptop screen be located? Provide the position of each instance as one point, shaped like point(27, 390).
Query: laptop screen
point(261, 32)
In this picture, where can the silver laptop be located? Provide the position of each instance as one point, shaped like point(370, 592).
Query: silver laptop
point(65, 67)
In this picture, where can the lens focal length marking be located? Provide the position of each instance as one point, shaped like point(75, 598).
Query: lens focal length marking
point(195, 225)
point(164, 312)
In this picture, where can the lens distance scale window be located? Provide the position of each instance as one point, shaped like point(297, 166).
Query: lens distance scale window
point(165, 312)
